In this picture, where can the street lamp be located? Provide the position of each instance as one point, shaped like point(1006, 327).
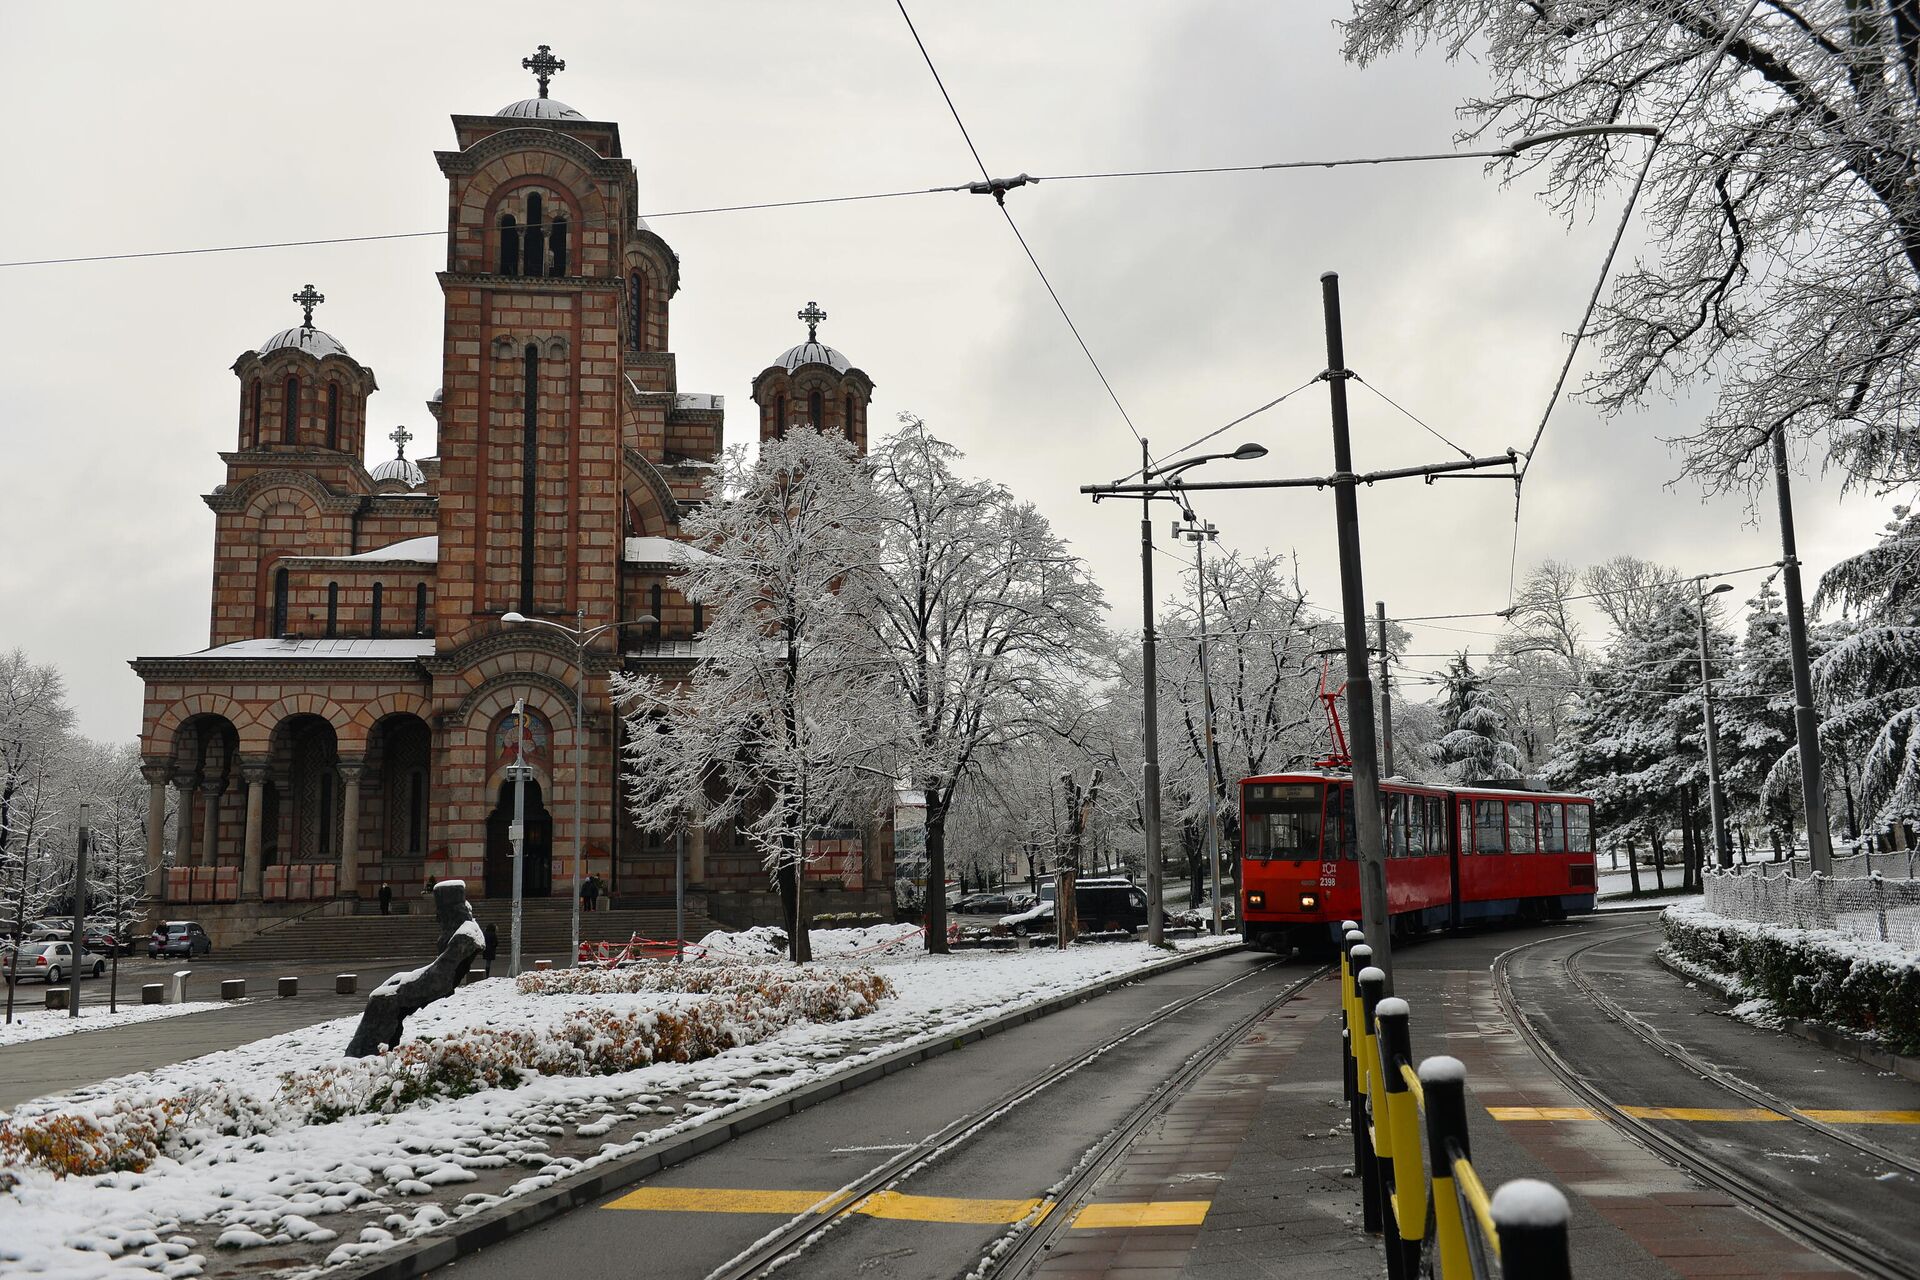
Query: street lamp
point(79, 905)
point(1199, 533)
point(582, 636)
point(1154, 481)
point(1716, 802)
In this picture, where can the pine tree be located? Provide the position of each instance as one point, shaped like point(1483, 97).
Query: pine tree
point(1476, 747)
point(1756, 720)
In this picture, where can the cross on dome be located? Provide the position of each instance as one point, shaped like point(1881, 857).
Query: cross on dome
point(400, 436)
point(812, 315)
point(544, 66)
point(308, 298)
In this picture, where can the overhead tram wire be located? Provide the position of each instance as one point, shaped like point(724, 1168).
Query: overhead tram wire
point(1411, 416)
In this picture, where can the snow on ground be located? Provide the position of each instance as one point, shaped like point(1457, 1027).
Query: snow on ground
point(42, 1023)
point(307, 1193)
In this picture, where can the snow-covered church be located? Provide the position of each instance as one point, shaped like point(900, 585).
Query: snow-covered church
point(349, 724)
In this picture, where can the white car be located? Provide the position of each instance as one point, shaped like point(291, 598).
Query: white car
point(52, 961)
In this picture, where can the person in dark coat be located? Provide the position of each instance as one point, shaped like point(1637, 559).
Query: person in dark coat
point(386, 899)
point(490, 948)
point(590, 892)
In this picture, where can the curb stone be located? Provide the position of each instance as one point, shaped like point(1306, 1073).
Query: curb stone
point(1820, 1033)
point(496, 1223)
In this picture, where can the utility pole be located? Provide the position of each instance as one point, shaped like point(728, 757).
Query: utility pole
point(1716, 799)
point(79, 905)
point(1353, 609)
point(1199, 534)
point(1813, 794)
point(1150, 736)
point(518, 831)
point(1386, 693)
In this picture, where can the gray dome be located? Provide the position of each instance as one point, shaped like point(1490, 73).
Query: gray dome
point(315, 342)
point(402, 469)
point(813, 353)
point(540, 109)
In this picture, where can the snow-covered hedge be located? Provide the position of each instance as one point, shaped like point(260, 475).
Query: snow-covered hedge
point(1813, 974)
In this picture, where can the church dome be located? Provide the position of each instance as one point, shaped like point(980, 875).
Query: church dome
point(315, 342)
point(540, 109)
point(811, 352)
point(405, 470)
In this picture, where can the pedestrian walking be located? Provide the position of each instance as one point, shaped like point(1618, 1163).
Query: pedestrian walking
point(490, 946)
point(589, 893)
point(386, 899)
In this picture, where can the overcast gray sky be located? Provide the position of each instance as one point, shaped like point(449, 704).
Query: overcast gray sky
point(142, 127)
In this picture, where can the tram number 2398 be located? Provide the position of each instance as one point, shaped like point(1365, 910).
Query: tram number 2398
point(1327, 874)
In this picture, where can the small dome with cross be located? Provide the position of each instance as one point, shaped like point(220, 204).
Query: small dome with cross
point(400, 467)
point(812, 351)
point(544, 67)
point(317, 343)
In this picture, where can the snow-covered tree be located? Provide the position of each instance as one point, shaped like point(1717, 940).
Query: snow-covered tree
point(1755, 710)
point(786, 721)
point(1870, 679)
point(1782, 206)
point(1477, 747)
point(34, 724)
point(982, 618)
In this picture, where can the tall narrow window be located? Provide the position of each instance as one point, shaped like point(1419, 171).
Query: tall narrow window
point(636, 312)
point(333, 608)
point(509, 245)
point(557, 247)
point(420, 609)
point(780, 416)
point(374, 628)
point(817, 410)
point(699, 618)
point(533, 257)
point(279, 627)
point(849, 420)
point(655, 599)
point(333, 415)
point(529, 458)
point(292, 419)
point(259, 396)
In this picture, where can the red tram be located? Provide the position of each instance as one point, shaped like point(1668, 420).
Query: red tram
point(1455, 855)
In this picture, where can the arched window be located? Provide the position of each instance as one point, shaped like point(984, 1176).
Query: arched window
point(420, 609)
point(534, 255)
point(817, 410)
point(333, 608)
point(557, 246)
point(636, 312)
point(509, 246)
point(259, 397)
point(279, 627)
point(333, 415)
point(849, 421)
point(378, 591)
point(780, 416)
point(292, 419)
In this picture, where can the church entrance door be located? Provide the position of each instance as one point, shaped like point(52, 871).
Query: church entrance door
point(537, 871)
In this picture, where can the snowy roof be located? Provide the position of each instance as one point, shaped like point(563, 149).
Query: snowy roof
point(315, 342)
point(653, 549)
point(540, 109)
point(269, 649)
point(668, 649)
point(698, 400)
point(425, 550)
point(813, 353)
point(405, 469)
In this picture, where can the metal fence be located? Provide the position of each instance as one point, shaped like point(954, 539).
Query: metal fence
point(1874, 906)
point(1904, 865)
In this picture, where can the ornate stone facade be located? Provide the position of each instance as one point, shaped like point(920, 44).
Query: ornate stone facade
point(349, 724)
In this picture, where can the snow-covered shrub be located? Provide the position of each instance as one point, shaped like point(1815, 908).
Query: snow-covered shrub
point(126, 1139)
point(1813, 974)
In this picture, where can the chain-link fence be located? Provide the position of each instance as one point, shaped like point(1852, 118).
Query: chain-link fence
point(1904, 865)
point(1872, 905)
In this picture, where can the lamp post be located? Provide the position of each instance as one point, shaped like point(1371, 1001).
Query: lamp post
point(1155, 482)
point(1716, 802)
point(1200, 533)
point(582, 637)
point(79, 905)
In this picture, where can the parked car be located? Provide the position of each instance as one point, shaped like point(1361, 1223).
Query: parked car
point(104, 940)
point(1107, 904)
point(180, 938)
point(51, 929)
point(52, 961)
point(984, 904)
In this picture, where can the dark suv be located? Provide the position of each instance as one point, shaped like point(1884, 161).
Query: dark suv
point(180, 938)
point(1107, 904)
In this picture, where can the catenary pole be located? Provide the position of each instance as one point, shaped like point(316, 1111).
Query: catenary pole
point(1353, 609)
point(518, 831)
point(1200, 535)
point(1150, 728)
point(1813, 794)
point(1386, 692)
point(1716, 800)
point(79, 905)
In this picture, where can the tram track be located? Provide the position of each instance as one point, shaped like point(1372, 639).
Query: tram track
point(790, 1241)
point(1829, 1237)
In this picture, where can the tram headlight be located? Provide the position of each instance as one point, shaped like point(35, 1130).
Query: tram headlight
point(1309, 902)
point(1255, 899)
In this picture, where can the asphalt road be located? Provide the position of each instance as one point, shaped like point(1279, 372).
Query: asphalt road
point(1011, 1160)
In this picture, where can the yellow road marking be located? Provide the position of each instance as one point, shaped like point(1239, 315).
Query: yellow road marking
point(1710, 1115)
point(900, 1207)
point(1143, 1213)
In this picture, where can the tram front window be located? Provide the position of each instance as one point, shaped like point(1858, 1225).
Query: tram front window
point(1282, 820)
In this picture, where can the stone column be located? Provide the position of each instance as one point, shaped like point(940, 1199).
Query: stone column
point(349, 883)
point(256, 778)
point(183, 785)
point(156, 776)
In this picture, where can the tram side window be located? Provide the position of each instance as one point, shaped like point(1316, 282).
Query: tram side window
point(1489, 826)
point(1349, 836)
point(1437, 824)
point(1396, 833)
point(1579, 836)
point(1283, 821)
point(1466, 826)
point(1416, 826)
point(1520, 833)
point(1552, 838)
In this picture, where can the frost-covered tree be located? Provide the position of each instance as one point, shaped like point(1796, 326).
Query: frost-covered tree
point(1870, 679)
point(1755, 711)
point(34, 724)
point(982, 618)
point(1782, 207)
point(785, 723)
point(1476, 747)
